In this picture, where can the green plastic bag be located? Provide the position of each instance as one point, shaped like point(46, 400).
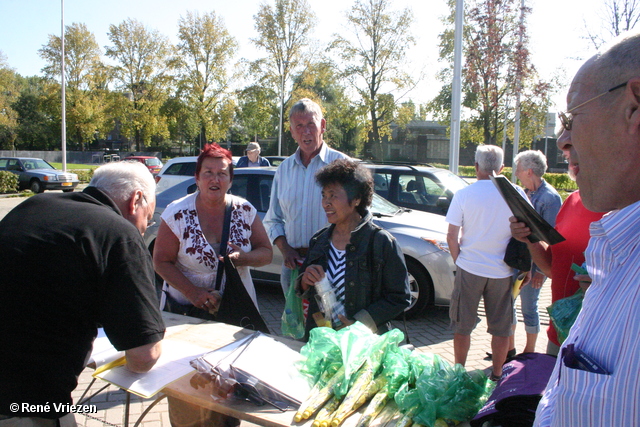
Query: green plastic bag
point(563, 313)
point(292, 320)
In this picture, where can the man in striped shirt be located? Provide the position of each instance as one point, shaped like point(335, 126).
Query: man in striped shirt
point(595, 380)
point(295, 211)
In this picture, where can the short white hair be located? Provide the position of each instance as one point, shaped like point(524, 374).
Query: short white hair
point(121, 179)
point(532, 159)
point(489, 158)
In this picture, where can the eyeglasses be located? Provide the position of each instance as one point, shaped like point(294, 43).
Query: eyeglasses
point(149, 222)
point(567, 118)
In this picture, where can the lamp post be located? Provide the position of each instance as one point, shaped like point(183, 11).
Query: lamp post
point(456, 89)
point(63, 96)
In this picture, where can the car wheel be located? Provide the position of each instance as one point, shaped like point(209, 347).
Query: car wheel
point(421, 287)
point(36, 186)
point(69, 190)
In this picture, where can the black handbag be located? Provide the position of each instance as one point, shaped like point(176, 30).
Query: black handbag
point(517, 255)
point(237, 307)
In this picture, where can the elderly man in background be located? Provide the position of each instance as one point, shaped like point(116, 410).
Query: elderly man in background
point(71, 263)
point(478, 236)
point(295, 212)
point(252, 159)
point(594, 382)
point(530, 165)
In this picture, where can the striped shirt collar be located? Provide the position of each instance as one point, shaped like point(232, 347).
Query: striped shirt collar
point(322, 155)
point(617, 226)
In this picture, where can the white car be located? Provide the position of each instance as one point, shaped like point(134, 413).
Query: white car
point(177, 170)
point(421, 235)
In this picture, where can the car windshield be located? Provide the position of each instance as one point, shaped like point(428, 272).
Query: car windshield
point(38, 164)
point(450, 180)
point(380, 206)
point(153, 162)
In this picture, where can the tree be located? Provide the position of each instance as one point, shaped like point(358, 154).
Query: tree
point(38, 117)
point(619, 16)
point(204, 50)
point(9, 93)
point(143, 76)
point(496, 59)
point(283, 33)
point(373, 61)
point(84, 75)
point(257, 112)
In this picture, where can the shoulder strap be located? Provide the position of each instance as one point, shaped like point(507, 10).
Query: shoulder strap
point(223, 241)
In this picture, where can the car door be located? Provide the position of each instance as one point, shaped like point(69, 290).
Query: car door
point(256, 188)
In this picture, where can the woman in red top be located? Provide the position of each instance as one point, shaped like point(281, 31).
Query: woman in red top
point(555, 261)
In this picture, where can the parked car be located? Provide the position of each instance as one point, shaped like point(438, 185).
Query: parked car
point(175, 171)
point(422, 236)
point(37, 175)
point(424, 188)
point(275, 160)
point(154, 164)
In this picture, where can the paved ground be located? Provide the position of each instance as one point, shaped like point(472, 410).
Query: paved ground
point(429, 333)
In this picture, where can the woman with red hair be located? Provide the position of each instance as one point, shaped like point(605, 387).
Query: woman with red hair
point(187, 248)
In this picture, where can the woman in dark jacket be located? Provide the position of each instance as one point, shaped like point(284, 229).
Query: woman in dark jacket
point(364, 264)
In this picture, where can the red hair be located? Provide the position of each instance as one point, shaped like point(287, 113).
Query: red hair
point(214, 151)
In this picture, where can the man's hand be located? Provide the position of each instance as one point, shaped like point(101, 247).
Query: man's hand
point(519, 230)
point(292, 258)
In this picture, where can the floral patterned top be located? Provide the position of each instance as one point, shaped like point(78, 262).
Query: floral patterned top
point(197, 259)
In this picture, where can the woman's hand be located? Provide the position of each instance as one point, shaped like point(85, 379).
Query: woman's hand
point(236, 254)
point(203, 298)
point(312, 275)
point(538, 280)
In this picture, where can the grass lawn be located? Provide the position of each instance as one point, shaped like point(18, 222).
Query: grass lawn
point(73, 166)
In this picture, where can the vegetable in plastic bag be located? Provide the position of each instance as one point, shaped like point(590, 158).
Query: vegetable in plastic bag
point(563, 313)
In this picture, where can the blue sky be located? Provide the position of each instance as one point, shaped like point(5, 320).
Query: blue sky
point(554, 28)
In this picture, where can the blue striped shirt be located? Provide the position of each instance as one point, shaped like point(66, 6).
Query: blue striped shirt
point(296, 210)
point(607, 329)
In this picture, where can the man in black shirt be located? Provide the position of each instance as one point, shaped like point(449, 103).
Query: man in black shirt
point(70, 263)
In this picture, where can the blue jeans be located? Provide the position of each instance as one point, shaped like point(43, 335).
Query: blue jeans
point(529, 308)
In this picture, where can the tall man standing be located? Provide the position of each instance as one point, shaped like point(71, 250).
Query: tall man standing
point(602, 138)
point(482, 215)
point(295, 212)
point(70, 263)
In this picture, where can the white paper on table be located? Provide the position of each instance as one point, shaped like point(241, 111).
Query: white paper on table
point(173, 364)
point(103, 351)
point(266, 359)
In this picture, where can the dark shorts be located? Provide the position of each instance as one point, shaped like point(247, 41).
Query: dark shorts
point(498, 303)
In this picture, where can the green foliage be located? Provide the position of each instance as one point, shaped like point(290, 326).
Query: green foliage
point(373, 57)
point(84, 175)
point(497, 66)
point(204, 52)
point(560, 181)
point(8, 182)
point(142, 74)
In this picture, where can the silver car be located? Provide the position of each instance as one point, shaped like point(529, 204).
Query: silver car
point(421, 235)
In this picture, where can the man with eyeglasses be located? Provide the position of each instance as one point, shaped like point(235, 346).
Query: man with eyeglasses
point(594, 382)
point(70, 263)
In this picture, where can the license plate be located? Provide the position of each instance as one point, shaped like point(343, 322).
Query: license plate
point(67, 184)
